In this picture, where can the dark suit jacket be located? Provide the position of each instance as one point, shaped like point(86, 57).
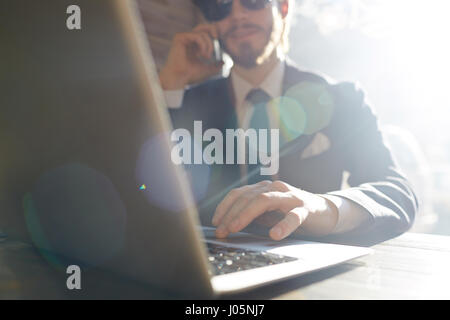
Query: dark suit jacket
point(339, 112)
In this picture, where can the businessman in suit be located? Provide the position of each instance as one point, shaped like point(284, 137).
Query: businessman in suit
point(329, 136)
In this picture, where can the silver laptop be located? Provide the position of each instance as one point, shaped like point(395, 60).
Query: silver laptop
point(89, 140)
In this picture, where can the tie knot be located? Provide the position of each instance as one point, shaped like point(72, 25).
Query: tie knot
point(258, 97)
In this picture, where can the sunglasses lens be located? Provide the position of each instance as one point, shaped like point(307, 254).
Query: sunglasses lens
point(255, 4)
point(214, 10)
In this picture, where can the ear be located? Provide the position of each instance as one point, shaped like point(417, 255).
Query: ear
point(284, 8)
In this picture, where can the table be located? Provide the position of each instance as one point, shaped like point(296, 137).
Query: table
point(411, 266)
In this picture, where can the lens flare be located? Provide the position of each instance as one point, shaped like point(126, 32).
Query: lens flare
point(291, 118)
point(317, 103)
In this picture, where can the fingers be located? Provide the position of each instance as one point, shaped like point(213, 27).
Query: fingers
point(281, 186)
point(243, 205)
point(235, 209)
point(210, 33)
point(190, 59)
point(289, 224)
point(223, 229)
point(208, 45)
point(232, 197)
point(200, 40)
point(264, 202)
point(226, 223)
point(226, 204)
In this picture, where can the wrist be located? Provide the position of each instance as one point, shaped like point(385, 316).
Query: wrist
point(333, 212)
point(322, 222)
point(170, 81)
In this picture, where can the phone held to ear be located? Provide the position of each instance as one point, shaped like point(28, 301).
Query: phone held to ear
point(217, 52)
point(217, 55)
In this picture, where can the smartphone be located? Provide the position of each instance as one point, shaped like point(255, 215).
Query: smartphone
point(217, 52)
point(217, 55)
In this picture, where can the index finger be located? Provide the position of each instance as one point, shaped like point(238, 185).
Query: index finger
point(268, 201)
point(226, 203)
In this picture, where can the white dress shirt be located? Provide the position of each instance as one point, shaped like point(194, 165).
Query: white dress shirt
point(350, 214)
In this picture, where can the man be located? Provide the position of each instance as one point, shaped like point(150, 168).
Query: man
point(329, 132)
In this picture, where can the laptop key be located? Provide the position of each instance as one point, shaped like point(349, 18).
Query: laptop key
point(225, 259)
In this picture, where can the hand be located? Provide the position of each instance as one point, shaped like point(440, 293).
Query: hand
point(298, 211)
point(187, 62)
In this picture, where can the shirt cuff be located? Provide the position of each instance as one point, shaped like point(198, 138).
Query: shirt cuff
point(350, 214)
point(174, 98)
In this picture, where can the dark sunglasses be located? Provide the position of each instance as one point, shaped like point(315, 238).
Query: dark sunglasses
point(216, 10)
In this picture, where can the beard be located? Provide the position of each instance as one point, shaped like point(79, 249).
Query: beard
point(246, 55)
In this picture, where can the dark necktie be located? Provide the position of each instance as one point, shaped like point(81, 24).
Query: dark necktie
point(259, 120)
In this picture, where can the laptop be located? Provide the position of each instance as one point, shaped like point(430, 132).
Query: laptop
point(87, 174)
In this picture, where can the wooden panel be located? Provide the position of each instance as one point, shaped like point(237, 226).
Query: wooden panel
point(162, 19)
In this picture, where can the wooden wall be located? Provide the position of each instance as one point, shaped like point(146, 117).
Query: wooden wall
point(164, 18)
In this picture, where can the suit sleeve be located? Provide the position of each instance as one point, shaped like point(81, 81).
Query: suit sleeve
point(376, 183)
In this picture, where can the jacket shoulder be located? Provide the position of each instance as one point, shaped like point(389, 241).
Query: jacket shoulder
point(296, 74)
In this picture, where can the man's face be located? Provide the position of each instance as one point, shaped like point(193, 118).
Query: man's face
point(250, 36)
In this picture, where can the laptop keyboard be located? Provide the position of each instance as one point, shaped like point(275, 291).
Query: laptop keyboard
point(227, 259)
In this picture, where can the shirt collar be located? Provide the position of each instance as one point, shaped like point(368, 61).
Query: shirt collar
point(272, 84)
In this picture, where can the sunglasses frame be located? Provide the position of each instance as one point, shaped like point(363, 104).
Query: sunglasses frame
point(213, 11)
